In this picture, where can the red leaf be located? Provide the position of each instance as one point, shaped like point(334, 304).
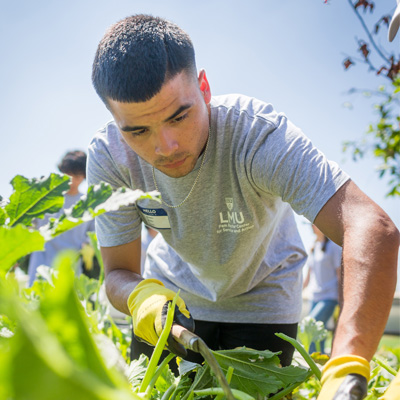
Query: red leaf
point(347, 63)
point(386, 19)
point(364, 49)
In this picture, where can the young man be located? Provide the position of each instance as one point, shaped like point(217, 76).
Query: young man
point(230, 170)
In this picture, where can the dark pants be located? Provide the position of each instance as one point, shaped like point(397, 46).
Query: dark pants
point(223, 336)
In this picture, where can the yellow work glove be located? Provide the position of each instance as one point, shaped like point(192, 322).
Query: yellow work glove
point(345, 378)
point(148, 305)
point(393, 391)
point(87, 253)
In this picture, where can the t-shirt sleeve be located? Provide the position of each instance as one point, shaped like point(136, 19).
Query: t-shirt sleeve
point(113, 228)
point(287, 165)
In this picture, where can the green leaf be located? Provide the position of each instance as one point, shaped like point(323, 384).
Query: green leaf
point(204, 378)
point(7, 327)
point(3, 216)
point(17, 242)
point(85, 287)
point(310, 331)
point(99, 199)
point(66, 318)
point(38, 365)
point(258, 372)
point(137, 370)
point(36, 197)
point(165, 380)
point(48, 372)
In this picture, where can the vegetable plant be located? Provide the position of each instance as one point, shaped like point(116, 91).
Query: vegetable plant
point(58, 339)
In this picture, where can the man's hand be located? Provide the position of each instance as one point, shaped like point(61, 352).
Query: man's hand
point(148, 305)
point(345, 378)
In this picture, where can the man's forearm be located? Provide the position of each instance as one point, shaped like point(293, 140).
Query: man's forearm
point(119, 285)
point(370, 252)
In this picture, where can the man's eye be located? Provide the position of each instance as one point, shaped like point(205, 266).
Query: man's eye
point(180, 118)
point(139, 132)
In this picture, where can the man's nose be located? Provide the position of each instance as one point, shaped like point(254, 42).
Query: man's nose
point(167, 143)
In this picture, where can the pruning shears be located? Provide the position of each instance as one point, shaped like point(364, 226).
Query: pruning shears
point(193, 342)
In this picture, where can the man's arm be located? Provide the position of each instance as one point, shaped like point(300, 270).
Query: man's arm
point(144, 299)
point(370, 242)
point(122, 272)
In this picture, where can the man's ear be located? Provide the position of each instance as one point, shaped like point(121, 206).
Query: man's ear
point(204, 86)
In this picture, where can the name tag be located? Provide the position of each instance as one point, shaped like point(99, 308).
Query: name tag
point(154, 217)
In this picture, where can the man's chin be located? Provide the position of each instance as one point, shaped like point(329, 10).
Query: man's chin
point(175, 173)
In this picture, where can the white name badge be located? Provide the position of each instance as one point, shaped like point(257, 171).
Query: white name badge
point(154, 217)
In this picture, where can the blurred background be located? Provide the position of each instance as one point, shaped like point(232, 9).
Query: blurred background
point(289, 53)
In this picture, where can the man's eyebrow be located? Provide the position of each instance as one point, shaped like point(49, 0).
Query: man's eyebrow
point(177, 112)
point(131, 128)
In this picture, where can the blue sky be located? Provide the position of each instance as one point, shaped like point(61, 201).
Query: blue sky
point(287, 52)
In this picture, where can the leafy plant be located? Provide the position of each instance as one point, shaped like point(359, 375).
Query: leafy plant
point(58, 340)
point(34, 198)
point(311, 331)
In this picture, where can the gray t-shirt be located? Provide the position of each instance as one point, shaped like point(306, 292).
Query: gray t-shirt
point(232, 248)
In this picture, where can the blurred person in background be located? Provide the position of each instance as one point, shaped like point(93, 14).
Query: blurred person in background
point(73, 164)
point(322, 279)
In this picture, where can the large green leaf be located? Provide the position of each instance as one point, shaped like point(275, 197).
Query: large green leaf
point(17, 242)
point(36, 197)
point(41, 369)
point(99, 199)
point(65, 317)
point(52, 354)
point(258, 372)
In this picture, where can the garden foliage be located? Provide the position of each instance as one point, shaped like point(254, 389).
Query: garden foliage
point(58, 339)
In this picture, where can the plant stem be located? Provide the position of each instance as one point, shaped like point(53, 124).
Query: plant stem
point(229, 374)
point(219, 391)
point(303, 352)
point(385, 366)
point(162, 340)
point(94, 243)
point(168, 392)
point(158, 373)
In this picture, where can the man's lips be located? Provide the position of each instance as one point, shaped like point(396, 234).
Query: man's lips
point(175, 164)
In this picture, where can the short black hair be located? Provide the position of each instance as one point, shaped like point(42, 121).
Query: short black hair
point(137, 55)
point(73, 163)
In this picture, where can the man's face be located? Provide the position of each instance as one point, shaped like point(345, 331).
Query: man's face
point(170, 130)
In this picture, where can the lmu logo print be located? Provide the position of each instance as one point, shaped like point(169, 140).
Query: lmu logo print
point(232, 221)
point(230, 217)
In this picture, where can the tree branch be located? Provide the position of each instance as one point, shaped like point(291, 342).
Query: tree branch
point(371, 39)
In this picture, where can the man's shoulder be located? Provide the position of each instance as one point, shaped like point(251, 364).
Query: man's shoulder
point(243, 105)
point(108, 140)
point(107, 133)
